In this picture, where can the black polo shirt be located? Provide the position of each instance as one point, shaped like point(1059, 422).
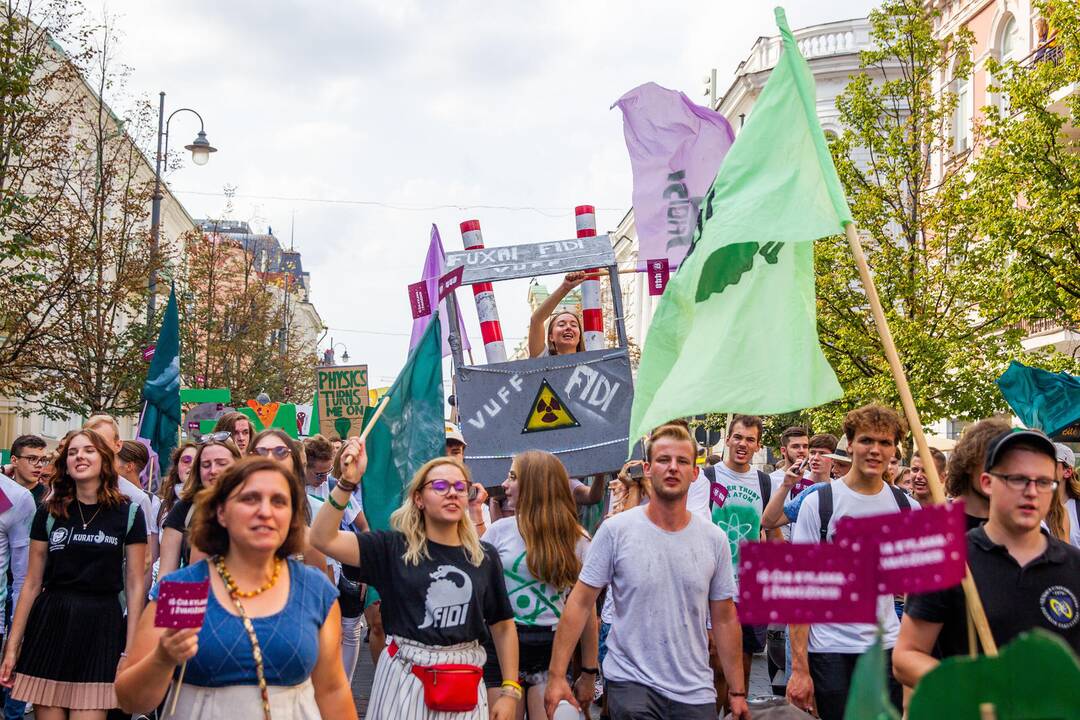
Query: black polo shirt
point(1044, 593)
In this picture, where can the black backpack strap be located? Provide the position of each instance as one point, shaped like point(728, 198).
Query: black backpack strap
point(825, 502)
point(710, 473)
point(765, 485)
point(1076, 512)
point(901, 498)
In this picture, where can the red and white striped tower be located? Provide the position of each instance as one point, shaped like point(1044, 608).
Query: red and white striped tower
point(490, 327)
point(592, 315)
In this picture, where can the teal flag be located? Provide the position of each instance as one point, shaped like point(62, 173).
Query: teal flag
point(1041, 399)
point(868, 696)
point(410, 431)
point(160, 420)
point(736, 328)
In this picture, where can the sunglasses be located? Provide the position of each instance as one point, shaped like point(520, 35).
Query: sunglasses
point(280, 452)
point(219, 436)
point(321, 475)
point(442, 487)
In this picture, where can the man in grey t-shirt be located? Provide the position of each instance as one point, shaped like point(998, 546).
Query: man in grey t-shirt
point(668, 572)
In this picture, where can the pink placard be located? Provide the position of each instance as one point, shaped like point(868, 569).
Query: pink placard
point(718, 493)
point(450, 281)
point(801, 584)
point(5, 502)
point(659, 273)
point(918, 551)
point(419, 302)
point(181, 604)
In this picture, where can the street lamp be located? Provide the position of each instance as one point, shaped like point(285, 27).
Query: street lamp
point(344, 354)
point(200, 149)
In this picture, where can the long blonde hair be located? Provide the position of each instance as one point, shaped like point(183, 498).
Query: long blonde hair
point(547, 519)
point(409, 519)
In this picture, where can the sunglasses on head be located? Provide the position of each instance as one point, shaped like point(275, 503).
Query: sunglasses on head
point(219, 436)
point(280, 452)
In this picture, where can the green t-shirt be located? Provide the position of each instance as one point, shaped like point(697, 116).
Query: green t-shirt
point(740, 515)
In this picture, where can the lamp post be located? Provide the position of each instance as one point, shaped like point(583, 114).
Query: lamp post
point(200, 149)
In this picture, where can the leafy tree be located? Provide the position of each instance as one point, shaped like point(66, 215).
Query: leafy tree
point(1026, 181)
point(932, 271)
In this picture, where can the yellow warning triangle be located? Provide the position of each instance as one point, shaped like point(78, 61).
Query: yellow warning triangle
point(548, 412)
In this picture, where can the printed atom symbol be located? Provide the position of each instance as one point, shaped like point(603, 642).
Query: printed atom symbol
point(548, 408)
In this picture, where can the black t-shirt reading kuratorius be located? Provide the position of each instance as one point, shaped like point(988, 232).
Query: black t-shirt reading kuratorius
point(442, 601)
point(89, 560)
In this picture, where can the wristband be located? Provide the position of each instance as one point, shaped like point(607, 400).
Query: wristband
point(334, 504)
point(590, 671)
point(512, 684)
point(347, 486)
point(736, 694)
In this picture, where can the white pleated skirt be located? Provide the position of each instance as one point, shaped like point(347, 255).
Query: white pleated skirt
point(397, 694)
point(296, 702)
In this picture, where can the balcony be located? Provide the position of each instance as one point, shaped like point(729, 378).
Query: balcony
point(1048, 332)
point(845, 37)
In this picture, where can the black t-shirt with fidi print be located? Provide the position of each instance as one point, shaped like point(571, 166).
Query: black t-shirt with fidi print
point(444, 600)
point(89, 560)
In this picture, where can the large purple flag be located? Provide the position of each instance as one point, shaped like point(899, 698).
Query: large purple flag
point(675, 147)
point(434, 267)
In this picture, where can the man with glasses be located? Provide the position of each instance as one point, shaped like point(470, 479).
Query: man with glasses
point(29, 457)
point(1026, 577)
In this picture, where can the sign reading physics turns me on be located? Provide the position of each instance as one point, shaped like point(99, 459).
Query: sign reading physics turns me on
point(343, 395)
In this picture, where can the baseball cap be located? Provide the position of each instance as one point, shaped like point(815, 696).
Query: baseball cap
point(1006, 440)
point(841, 452)
point(453, 432)
point(1065, 454)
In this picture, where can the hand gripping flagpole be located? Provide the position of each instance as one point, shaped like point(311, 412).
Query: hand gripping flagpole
point(937, 490)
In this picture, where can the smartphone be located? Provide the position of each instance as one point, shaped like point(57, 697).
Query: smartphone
point(473, 492)
point(496, 492)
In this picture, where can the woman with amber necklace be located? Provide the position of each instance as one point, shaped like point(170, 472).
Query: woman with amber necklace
point(270, 642)
point(443, 593)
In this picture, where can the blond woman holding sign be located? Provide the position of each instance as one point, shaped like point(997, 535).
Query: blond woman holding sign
point(270, 642)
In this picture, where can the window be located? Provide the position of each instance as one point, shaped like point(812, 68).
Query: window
point(961, 120)
point(1009, 44)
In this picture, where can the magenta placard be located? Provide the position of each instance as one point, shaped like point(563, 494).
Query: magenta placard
point(450, 281)
point(802, 584)
point(659, 272)
point(718, 494)
point(181, 604)
point(5, 502)
point(419, 302)
point(918, 551)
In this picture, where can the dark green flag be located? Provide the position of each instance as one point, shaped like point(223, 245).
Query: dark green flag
point(410, 431)
point(1042, 399)
point(160, 420)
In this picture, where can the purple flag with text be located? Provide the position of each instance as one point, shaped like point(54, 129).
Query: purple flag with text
point(675, 148)
point(434, 267)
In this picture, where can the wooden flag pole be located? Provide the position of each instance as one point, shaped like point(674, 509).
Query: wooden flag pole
point(937, 490)
point(176, 695)
point(374, 418)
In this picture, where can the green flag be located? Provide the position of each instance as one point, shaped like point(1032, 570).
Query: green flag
point(868, 696)
point(160, 419)
point(736, 328)
point(410, 431)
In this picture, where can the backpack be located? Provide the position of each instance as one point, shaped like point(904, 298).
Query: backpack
point(825, 506)
point(764, 484)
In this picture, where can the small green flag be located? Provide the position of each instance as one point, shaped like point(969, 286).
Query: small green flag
point(410, 431)
point(160, 420)
point(736, 328)
point(868, 695)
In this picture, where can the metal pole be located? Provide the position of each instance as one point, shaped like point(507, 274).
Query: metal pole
point(155, 225)
point(712, 89)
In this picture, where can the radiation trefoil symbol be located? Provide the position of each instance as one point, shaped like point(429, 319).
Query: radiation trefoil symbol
point(548, 412)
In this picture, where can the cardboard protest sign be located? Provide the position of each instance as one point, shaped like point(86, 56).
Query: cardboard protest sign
point(343, 395)
point(801, 584)
point(522, 261)
point(918, 551)
point(576, 407)
point(181, 604)
point(279, 415)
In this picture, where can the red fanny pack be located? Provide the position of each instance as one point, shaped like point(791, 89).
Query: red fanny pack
point(447, 687)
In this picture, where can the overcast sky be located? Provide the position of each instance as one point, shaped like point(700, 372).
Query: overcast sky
point(371, 121)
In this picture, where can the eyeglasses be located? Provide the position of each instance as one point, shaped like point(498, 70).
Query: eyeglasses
point(442, 487)
point(187, 459)
point(219, 436)
point(321, 475)
point(1015, 481)
point(280, 452)
point(35, 460)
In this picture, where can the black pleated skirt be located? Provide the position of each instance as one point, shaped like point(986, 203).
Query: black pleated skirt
point(70, 651)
